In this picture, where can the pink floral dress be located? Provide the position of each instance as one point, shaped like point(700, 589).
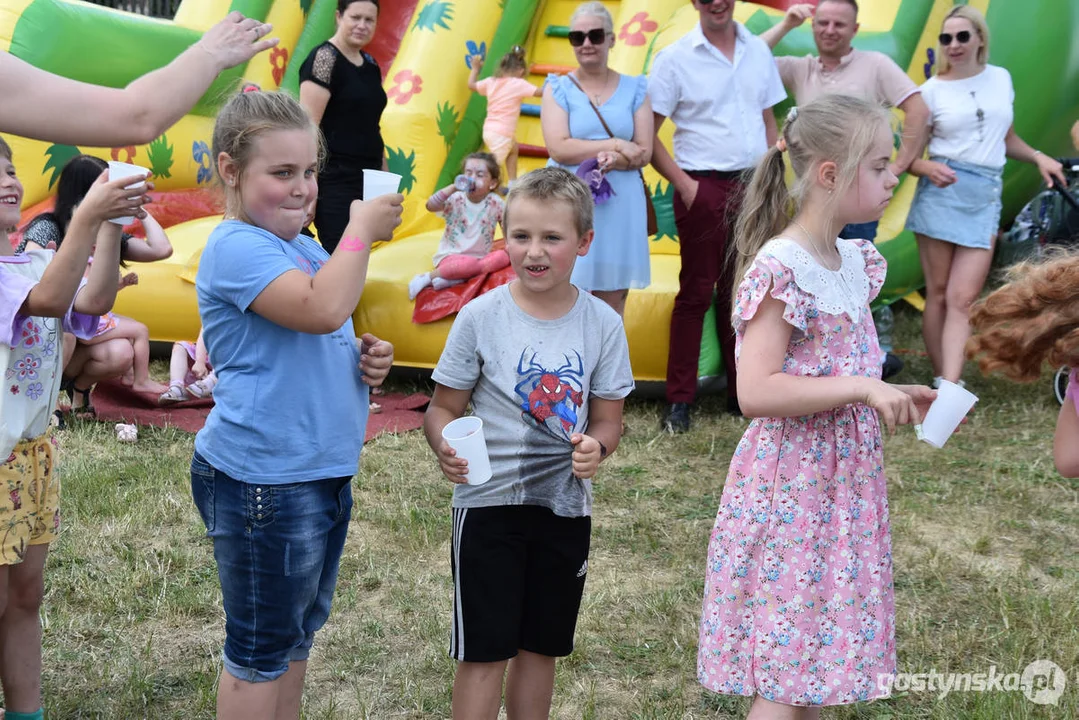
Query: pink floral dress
point(798, 602)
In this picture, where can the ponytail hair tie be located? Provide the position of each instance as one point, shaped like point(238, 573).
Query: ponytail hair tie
point(792, 114)
point(250, 87)
point(781, 144)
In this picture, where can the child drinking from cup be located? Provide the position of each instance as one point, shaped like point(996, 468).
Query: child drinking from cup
point(504, 91)
point(473, 212)
point(545, 366)
point(801, 547)
point(1028, 322)
point(272, 467)
point(42, 295)
point(48, 229)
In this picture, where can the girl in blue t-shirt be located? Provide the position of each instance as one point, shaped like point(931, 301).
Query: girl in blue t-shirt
point(272, 467)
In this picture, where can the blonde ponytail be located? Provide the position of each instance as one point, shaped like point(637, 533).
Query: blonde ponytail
point(836, 128)
point(766, 209)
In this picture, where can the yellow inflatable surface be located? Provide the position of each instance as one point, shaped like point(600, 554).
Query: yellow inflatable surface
point(433, 120)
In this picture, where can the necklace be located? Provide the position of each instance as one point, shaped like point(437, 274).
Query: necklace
point(595, 96)
point(980, 114)
point(813, 244)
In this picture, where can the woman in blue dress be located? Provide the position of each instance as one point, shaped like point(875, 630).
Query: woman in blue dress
point(619, 258)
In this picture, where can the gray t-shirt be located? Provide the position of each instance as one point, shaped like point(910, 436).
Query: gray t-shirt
point(531, 381)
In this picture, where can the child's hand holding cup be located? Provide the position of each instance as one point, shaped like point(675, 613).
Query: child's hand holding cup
point(945, 414)
point(463, 453)
point(137, 175)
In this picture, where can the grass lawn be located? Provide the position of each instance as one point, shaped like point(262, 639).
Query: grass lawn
point(984, 532)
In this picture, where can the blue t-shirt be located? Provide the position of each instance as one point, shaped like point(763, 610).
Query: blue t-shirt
point(289, 406)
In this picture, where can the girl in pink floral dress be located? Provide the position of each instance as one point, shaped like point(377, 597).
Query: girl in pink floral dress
point(798, 605)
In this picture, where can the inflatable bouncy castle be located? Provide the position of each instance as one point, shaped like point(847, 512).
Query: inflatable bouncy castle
point(433, 121)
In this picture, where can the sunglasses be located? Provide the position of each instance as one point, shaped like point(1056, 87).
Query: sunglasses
point(596, 37)
point(962, 37)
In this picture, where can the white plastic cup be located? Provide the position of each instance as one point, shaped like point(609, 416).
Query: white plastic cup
point(947, 411)
point(465, 436)
point(119, 170)
point(379, 182)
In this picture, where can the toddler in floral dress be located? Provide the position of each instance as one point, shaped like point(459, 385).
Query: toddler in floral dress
point(473, 213)
point(798, 605)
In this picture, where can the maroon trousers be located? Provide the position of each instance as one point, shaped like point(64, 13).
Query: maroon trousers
point(704, 233)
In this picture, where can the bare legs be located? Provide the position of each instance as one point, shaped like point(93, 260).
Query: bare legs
point(511, 163)
point(529, 686)
point(954, 278)
point(278, 699)
point(762, 709)
point(615, 298)
point(139, 337)
point(92, 363)
point(178, 364)
point(20, 630)
point(477, 688)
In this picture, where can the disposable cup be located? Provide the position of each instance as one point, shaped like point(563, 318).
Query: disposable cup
point(947, 411)
point(465, 436)
point(379, 182)
point(119, 170)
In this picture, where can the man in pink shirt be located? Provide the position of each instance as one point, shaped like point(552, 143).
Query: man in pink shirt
point(840, 68)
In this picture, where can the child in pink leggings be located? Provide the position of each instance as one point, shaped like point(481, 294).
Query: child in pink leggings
point(471, 218)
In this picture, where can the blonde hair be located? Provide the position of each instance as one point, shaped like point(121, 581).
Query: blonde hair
point(981, 29)
point(247, 116)
point(838, 128)
point(594, 9)
point(1032, 319)
point(554, 184)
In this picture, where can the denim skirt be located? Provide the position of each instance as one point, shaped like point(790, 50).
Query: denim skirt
point(966, 213)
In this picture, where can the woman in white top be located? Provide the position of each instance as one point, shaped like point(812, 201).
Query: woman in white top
point(956, 210)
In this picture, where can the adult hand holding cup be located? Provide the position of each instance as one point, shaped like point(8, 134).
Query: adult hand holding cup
point(465, 436)
point(947, 411)
point(138, 175)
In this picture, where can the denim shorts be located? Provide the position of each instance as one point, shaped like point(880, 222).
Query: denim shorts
point(278, 549)
point(966, 213)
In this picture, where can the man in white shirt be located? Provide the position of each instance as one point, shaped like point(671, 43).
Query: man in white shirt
point(840, 68)
point(718, 85)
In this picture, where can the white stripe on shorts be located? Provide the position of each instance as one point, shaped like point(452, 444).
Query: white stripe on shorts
point(457, 634)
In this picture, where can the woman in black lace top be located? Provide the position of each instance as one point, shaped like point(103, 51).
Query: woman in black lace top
point(341, 88)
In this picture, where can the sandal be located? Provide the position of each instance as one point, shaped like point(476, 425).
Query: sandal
point(174, 394)
point(201, 389)
point(66, 388)
point(86, 409)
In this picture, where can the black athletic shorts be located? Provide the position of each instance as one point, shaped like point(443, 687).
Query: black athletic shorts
point(518, 577)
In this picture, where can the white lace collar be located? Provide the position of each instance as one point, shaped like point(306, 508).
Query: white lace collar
point(845, 290)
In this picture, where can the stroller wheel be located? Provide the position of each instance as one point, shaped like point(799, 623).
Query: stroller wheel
point(1060, 383)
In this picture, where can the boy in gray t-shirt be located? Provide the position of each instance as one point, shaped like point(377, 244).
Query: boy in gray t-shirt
point(546, 366)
